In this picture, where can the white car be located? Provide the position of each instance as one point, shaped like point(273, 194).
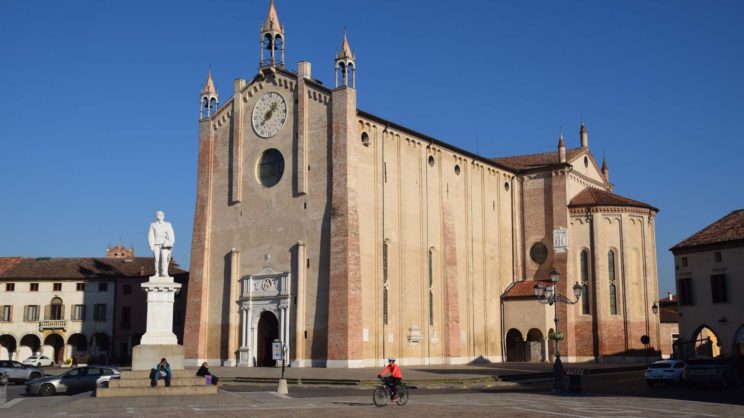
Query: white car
point(39, 361)
point(668, 371)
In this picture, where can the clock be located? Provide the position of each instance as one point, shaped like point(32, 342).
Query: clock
point(269, 115)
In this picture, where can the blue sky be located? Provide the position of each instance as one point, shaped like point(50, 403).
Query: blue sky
point(99, 121)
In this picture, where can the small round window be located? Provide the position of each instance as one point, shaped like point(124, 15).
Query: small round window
point(586, 162)
point(365, 139)
point(270, 167)
point(506, 186)
point(431, 161)
point(457, 169)
point(539, 253)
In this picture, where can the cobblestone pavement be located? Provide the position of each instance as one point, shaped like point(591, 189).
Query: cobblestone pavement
point(359, 404)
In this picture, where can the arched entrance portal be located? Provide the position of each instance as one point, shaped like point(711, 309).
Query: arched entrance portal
point(706, 343)
point(514, 345)
point(7, 347)
point(535, 350)
point(54, 347)
point(268, 331)
point(77, 348)
point(30, 346)
point(739, 342)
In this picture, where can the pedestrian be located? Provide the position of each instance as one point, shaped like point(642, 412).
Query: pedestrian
point(161, 371)
point(208, 376)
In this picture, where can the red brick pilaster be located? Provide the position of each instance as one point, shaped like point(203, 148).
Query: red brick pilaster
point(195, 331)
point(345, 284)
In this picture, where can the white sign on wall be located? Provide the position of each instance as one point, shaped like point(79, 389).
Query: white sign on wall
point(560, 240)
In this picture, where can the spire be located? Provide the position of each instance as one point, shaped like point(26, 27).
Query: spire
point(208, 98)
point(272, 39)
point(345, 51)
point(271, 24)
point(345, 65)
point(605, 169)
point(208, 88)
point(561, 148)
point(584, 136)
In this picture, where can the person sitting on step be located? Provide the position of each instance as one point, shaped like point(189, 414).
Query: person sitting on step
point(161, 371)
point(208, 376)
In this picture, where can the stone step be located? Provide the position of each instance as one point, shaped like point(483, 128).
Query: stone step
point(145, 382)
point(111, 392)
point(145, 374)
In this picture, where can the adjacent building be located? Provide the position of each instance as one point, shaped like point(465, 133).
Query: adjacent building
point(66, 308)
point(668, 326)
point(352, 238)
point(709, 270)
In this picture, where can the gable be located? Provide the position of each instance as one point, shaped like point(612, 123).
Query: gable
point(584, 163)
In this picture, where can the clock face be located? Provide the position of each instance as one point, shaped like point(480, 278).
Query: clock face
point(269, 115)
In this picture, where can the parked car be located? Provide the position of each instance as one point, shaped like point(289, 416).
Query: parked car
point(710, 371)
point(76, 380)
point(666, 371)
point(39, 361)
point(18, 372)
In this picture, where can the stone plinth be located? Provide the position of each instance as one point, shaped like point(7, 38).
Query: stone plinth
point(146, 357)
point(159, 340)
point(161, 292)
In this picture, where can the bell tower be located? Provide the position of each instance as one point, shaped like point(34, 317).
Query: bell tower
point(346, 65)
point(208, 98)
point(272, 40)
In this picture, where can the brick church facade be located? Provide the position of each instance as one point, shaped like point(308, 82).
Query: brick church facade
point(352, 238)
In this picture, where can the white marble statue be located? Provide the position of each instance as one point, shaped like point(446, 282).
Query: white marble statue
point(161, 239)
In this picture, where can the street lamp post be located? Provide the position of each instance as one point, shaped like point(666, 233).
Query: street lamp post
point(548, 295)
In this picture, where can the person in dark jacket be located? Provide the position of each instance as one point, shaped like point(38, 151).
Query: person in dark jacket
point(204, 372)
point(161, 371)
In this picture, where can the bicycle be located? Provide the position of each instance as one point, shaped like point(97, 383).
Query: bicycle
point(383, 393)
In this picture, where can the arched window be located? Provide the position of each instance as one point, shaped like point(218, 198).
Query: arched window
point(431, 286)
point(613, 288)
point(385, 282)
point(56, 309)
point(585, 302)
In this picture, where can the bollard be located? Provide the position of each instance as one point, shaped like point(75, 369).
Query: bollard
point(282, 389)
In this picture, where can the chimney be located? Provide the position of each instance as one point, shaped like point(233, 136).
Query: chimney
point(671, 296)
point(303, 69)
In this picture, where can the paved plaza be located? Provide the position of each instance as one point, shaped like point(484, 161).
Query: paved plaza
point(622, 394)
point(270, 404)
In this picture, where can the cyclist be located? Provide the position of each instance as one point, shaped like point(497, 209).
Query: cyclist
point(396, 377)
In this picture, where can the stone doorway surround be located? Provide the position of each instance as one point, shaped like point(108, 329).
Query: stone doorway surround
point(269, 291)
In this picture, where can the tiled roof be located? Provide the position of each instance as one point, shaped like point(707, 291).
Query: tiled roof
point(522, 290)
point(668, 311)
point(524, 162)
point(80, 268)
point(729, 228)
point(596, 197)
point(7, 263)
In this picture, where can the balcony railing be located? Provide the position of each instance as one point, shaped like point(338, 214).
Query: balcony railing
point(52, 324)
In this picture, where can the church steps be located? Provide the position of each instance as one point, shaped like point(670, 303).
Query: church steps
point(137, 383)
point(156, 391)
point(143, 382)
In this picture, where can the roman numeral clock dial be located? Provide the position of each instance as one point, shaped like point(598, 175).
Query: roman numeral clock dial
point(269, 115)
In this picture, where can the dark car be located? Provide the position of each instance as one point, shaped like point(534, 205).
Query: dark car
point(76, 380)
point(710, 371)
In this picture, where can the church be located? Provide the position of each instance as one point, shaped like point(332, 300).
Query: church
point(351, 238)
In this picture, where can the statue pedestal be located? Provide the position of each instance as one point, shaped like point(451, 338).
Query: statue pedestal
point(159, 340)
